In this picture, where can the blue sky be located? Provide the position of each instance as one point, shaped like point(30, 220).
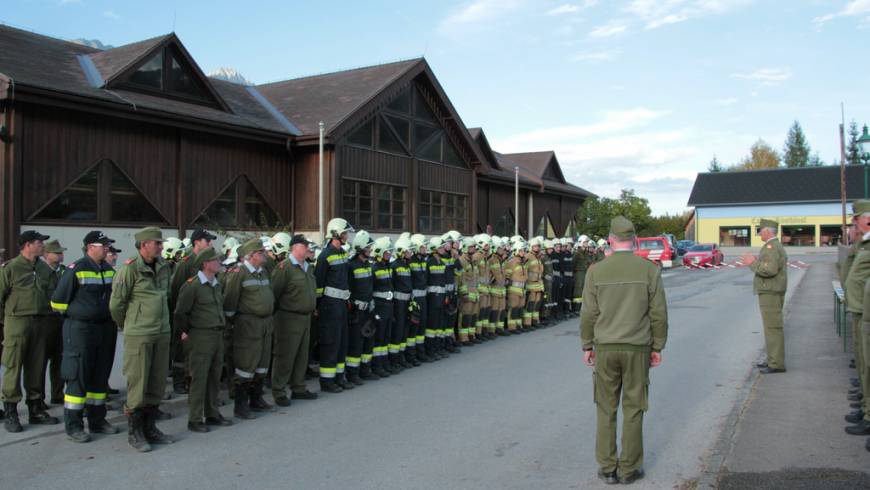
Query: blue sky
point(630, 94)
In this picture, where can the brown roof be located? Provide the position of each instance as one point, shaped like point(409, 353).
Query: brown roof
point(331, 97)
point(112, 62)
point(34, 60)
point(535, 161)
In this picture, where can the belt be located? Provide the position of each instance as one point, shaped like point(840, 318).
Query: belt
point(336, 293)
point(569, 274)
point(402, 296)
point(450, 288)
point(386, 295)
point(419, 293)
point(557, 274)
point(361, 305)
point(436, 290)
point(518, 284)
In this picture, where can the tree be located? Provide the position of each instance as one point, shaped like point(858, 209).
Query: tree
point(635, 208)
point(796, 152)
point(853, 153)
point(815, 161)
point(593, 218)
point(670, 223)
point(761, 155)
point(714, 166)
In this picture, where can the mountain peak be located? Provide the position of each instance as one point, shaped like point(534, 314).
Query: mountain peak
point(230, 75)
point(93, 43)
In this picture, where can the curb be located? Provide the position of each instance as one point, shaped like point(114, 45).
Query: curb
point(724, 444)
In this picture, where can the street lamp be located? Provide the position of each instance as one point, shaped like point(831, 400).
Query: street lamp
point(864, 149)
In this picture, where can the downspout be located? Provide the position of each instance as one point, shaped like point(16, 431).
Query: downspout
point(320, 197)
point(516, 201)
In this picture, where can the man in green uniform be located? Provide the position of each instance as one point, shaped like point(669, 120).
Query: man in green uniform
point(249, 304)
point(623, 329)
point(23, 305)
point(199, 318)
point(140, 307)
point(295, 293)
point(770, 282)
point(856, 303)
point(52, 325)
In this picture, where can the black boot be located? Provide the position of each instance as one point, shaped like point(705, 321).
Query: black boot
point(378, 367)
point(74, 424)
point(422, 356)
point(257, 403)
point(342, 381)
point(330, 386)
point(855, 417)
point(410, 356)
point(37, 415)
point(354, 377)
point(97, 423)
point(135, 431)
point(242, 409)
point(152, 433)
point(392, 364)
point(365, 372)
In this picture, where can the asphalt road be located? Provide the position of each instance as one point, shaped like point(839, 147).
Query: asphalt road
point(513, 413)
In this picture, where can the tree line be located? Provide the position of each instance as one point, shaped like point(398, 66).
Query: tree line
point(796, 153)
point(593, 218)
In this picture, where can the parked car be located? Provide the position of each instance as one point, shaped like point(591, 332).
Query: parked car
point(672, 240)
point(703, 254)
point(656, 249)
point(683, 246)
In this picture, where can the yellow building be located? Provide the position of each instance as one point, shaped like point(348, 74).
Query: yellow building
point(805, 202)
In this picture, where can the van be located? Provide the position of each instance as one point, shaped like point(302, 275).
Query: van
point(655, 249)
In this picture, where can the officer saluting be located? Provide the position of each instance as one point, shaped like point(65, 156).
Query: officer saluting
point(140, 306)
point(623, 329)
point(82, 297)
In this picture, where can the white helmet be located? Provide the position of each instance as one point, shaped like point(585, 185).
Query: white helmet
point(602, 242)
point(267, 243)
point(536, 242)
point(435, 243)
point(403, 244)
point(232, 255)
point(519, 245)
point(467, 243)
point(361, 240)
point(336, 227)
point(418, 240)
point(381, 246)
point(186, 242)
point(281, 242)
point(171, 246)
point(583, 239)
point(548, 243)
point(516, 238)
point(404, 234)
point(483, 240)
point(228, 245)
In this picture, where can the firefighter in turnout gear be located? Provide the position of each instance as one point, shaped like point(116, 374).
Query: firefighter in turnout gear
point(383, 295)
point(249, 304)
point(82, 298)
point(436, 294)
point(402, 295)
point(498, 291)
point(331, 272)
point(485, 331)
point(360, 346)
point(567, 276)
point(468, 295)
point(515, 280)
point(534, 284)
point(447, 335)
point(547, 260)
point(417, 319)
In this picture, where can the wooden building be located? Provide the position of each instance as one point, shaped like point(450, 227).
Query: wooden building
point(137, 135)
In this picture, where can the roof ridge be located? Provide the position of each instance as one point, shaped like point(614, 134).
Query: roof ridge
point(32, 32)
point(777, 169)
point(335, 72)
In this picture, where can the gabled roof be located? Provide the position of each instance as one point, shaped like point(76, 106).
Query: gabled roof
point(112, 62)
point(483, 145)
point(332, 97)
point(776, 186)
point(538, 162)
point(44, 66)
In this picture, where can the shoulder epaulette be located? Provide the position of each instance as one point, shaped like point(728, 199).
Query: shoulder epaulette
point(191, 278)
point(187, 257)
point(129, 261)
point(282, 264)
point(72, 266)
point(235, 269)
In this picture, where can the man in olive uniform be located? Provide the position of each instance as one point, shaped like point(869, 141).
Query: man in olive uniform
point(623, 329)
point(295, 299)
point(23, 304)
point(249, 304)
point(200, 321)
point(52, 325)
point(140, 307)
point(82, 298)
point(581, 265)
point(856, 303)
point(770, 282)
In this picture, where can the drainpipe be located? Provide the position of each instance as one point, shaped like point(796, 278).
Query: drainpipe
point(516, 200)
point(320, 197)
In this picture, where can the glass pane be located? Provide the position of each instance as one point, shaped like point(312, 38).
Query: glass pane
point(383, 206)
point(403, 129)
point(422, 133)
point(431, 151)
point(451, 156)
point(425, 210)
point(398, 222)
point(365, 189)
point(151, 73)
point(386, 140)
point(398, 193)
point(363, 136)
point(222, 211)
point(421, 108)
point(348, 204)
point(365, 204)
point(384, 192)
point(383, 221)
point(128, 204)
point(77, 203)
point(182, 79)
point(436, 224)
point(257, 212)
point(425, 223)
point(348, 188)
point(402, 103)
point(365, 220)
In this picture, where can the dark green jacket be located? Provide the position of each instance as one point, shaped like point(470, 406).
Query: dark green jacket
point(624, 305)
point(200, 304)
point(248, 293)
point(771, 269)
point(24, 287)
point(856, 277)
point(294, 288)
point(140, 297)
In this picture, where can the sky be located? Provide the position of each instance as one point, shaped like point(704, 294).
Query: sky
point(636, 94)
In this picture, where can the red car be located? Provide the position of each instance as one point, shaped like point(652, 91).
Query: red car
point(703, 254)
point(656, 249)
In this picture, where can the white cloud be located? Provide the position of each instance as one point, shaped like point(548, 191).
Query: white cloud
point(659, 13)
point(668, 19)
point(596, 56)
point(477, 11)
point(609, 29)
point(726, 101)
point(853, 8)
point(768, 76)
point(566, 8)
point(111, 14)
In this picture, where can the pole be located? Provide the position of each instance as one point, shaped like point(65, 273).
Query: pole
point(516, 200)
point(844, 236)
point(320, 197)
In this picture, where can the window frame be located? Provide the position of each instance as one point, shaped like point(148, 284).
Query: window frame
point(240, 186)
point(170, 52)
point(352, 215)
point(454, 221)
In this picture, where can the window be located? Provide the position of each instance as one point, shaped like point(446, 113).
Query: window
point(363, 136)
point(441, 211)
point(545, 228)
point(373, 206)
point(168, 72)
point(799, 235)
point(102, 195)
point(387, 140)
point(734, 236)
point(240, 205)
point(402, 103)
point(505, 224)
point(151, 73)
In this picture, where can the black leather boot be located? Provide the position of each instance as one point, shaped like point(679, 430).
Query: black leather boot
point(97, 423)
point(365, 372)
point(74, 424)
point(135, 434)
point(37, 414)
point(353, 375)
point(152, 433)
point(342, 381)
point(257, 402)
point(241, 408)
